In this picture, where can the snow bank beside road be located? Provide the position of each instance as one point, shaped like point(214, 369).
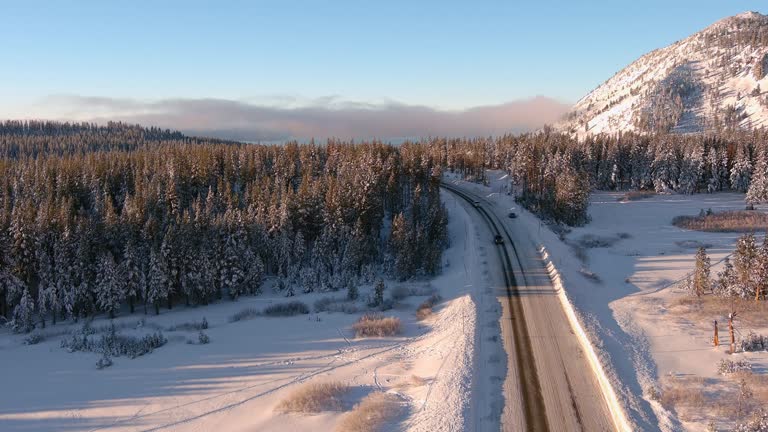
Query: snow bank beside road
point(616, 407)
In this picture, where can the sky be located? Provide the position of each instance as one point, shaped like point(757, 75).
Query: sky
point(97, 60)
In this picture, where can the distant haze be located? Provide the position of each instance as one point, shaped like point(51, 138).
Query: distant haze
point(322, 118)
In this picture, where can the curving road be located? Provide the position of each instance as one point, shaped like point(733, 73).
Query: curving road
point(550, 385)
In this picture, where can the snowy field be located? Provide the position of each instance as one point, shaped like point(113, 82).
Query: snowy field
point(235, 382)
point(621, 271)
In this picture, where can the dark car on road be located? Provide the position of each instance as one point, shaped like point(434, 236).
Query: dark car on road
point(512, 215)
point(498, 239)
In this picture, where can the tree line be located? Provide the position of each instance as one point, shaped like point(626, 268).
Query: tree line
point(553, 173)
point(744, 274)
point(105, 219)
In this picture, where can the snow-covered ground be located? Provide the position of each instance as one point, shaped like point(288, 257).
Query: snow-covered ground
point(625, 292)
point(235, 382)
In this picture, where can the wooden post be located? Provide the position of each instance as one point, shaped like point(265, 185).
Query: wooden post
point(731, 316)
point(716, 339)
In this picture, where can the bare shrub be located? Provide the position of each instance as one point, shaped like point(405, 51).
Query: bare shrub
point(314, 398)
point(371, 413)
point(245, 314)
point(376, 325)
point(758, 422)
point(754, 342)
point(335, 304)
point(286, 309)
point(190, 326)
point(679, 395)
point(727, 221)
point(425, 309)
point(727, 367)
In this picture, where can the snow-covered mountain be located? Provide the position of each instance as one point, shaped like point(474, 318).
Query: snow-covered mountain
point(713, 79)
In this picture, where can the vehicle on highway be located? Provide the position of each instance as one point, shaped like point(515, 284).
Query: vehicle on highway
point(498, 239)
point(512, 215)
point(476, 203)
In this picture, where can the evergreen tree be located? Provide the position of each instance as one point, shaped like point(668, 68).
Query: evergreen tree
point(741, 172)
point(665, 170)
point(132, 273)
point(760, 277)
point(23, 314)
point(744, 260)
point(109, 286)
point(11, 287)
point(691, 171)
point(758, 187)
point(64, 274)
point(352, 292)
point(233, 273)
point(701, 282)
point(726, 280)
point(378, 293)
point(157, 283)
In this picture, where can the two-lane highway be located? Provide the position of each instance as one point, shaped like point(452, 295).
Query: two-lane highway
point(551, 382)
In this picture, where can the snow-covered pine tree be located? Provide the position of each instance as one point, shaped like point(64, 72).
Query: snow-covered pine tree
point(63, 253)
point(760, 276)
point(109, 285)
point(665, 169)
point(11, 287)
point(701, 282)
point(307, 279)
point(692, 169)
point(157, 281)
point(23, 319)
point(641, 160)
point(744, 260)
point(255, 274)
point(378, 293)
point(741, 172)
point(726, 278)
point(232, 271)
point(170, 250)
point(758, 186)
point(713, 171)
point(132, 272)
point(22, 240)
point(352, 292)
point(401, 247)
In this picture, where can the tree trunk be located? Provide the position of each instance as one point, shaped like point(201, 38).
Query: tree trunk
point(730, 331)
point(716, 340)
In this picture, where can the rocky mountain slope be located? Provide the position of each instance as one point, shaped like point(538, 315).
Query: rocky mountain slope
point(713, 80)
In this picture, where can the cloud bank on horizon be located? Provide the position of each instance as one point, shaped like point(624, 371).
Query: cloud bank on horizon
point(321, 118)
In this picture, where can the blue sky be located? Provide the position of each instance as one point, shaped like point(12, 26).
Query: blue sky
point(441, 54)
